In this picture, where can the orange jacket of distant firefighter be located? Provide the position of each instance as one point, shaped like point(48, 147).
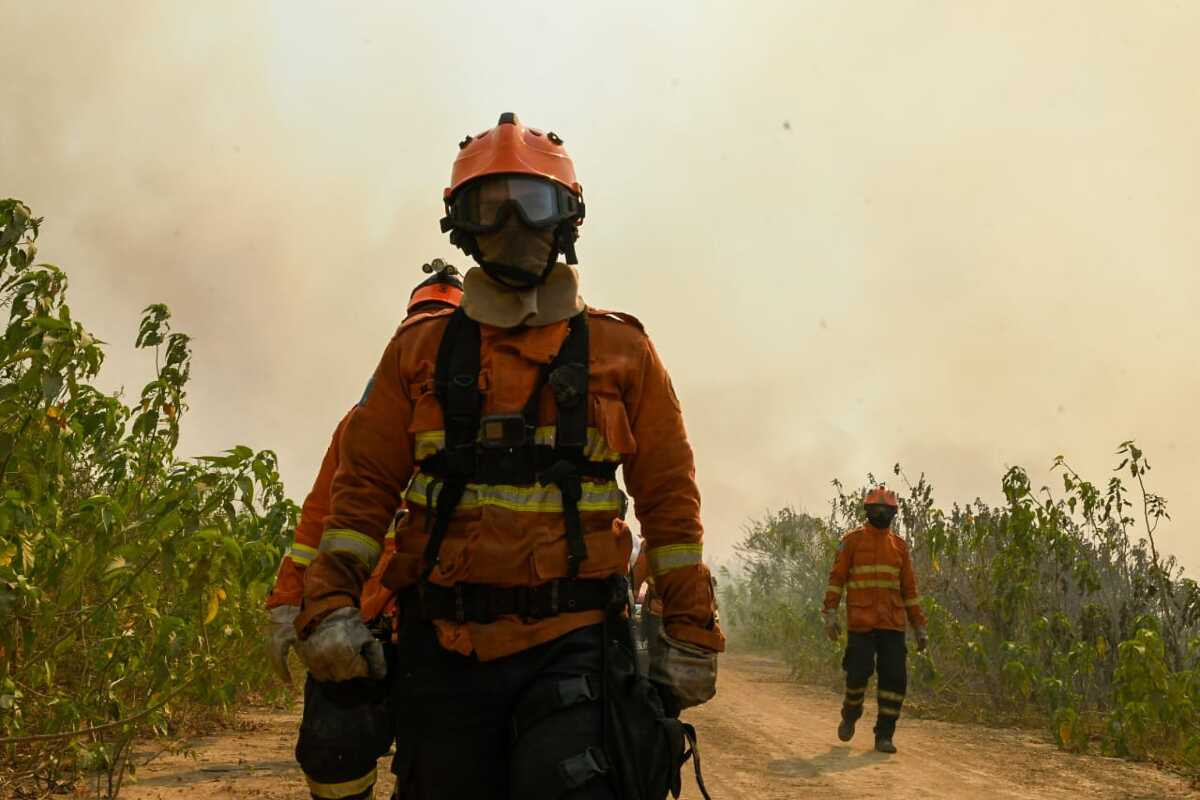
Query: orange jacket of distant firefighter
point(875, 572)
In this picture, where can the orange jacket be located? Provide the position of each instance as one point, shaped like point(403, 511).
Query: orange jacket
point(514, 535)
point(875, 571)
point(641, 574)
point(289, 583)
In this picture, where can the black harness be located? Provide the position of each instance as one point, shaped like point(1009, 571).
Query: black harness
point(501, 449)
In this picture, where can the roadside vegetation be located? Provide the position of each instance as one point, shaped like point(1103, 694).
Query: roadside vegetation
point(1055, 609)
point(131, 580)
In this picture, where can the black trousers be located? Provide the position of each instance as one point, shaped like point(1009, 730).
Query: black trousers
point(528, 726)
point(876, 651)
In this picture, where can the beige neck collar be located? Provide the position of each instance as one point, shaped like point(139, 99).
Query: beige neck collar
point(492, 303)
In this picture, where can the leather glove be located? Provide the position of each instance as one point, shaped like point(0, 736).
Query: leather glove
point(685, 674)
point(283, 637)
point(833, 628)
point(922, 639)
point(340, 648)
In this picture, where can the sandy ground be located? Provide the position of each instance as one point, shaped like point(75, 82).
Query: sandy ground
point(762, 738)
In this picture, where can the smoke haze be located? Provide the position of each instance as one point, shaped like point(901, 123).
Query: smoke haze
point(955, 236)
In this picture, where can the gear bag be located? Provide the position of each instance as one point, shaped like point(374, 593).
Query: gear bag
point(647, 747)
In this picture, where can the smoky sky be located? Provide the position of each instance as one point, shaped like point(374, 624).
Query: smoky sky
point(956, 236)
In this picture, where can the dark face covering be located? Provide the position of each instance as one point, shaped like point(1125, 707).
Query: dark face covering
point(880, 516)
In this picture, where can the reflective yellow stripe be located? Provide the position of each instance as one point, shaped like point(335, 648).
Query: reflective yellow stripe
point(359, 545)
point(874, 585)
point(301, 554)
point(333, 791)
point(884, 711)
point(852, 701)
point(428, 443)
point(884, 568)
point(856, 692)
point(835, 589)
point(913, 601)
point(896, 697)
point(673, 556)
point(535, 499)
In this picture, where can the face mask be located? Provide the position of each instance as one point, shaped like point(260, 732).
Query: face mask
point(517, 245)
point(880, 516)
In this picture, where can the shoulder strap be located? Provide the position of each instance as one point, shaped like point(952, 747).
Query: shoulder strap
point(569, 380)
point(456, 382)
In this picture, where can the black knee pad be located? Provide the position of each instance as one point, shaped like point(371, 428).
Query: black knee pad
point(345, 729)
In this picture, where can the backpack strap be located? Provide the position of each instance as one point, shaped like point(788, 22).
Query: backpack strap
point(456, 382)
point(569, 380)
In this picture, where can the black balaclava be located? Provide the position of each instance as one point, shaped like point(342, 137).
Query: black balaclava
point(880, 515)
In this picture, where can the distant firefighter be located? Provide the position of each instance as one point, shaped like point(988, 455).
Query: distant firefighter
point(874, 570)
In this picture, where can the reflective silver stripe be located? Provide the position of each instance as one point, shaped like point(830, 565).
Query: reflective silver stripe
point(423, 491)
point(301, 554)
point(835, 589)
point(885, 711)
point(428, 443)
point(884, 568)
point(913, 601)
point(895, 697)
point(673, 556)
point(359, 545)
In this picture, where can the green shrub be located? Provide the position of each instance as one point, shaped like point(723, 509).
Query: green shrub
point(131, 581)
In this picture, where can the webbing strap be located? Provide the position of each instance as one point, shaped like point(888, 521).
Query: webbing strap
point(456, 381)
point(456, 378)
point(569, 380)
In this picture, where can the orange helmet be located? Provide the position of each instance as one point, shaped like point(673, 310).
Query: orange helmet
point(442, 287)
point(881, 496)
point(510, 148)
point(528, 167)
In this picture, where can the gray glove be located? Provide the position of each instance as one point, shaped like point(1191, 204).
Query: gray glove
point(833, 628)
point(283, 636)
point(686, 671)
point(922, 639)
point(341, 648)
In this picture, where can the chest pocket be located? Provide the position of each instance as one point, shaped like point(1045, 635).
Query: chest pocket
point(611, 422)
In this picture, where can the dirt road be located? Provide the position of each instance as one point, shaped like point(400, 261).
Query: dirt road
point(763, 738)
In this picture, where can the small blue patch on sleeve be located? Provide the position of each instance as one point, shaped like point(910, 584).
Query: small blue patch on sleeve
point(367, 391)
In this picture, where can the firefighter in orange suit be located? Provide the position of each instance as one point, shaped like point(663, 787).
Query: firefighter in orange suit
point(345, 727)
point(874, 571)
point(501, 426)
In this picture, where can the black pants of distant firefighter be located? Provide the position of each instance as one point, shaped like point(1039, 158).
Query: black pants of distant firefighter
point(876, 651)
point(527, 727)
point(345, 729)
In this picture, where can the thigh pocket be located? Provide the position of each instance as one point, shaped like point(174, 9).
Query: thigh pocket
point(557, 736)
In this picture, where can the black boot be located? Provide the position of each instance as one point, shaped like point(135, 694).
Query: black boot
point(883, 743)
point(846, 730)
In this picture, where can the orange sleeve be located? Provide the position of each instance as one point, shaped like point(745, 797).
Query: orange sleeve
point(838, 575)
point(375, 464)
point(289, 583)
point(661, 477)
point(908, 588)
